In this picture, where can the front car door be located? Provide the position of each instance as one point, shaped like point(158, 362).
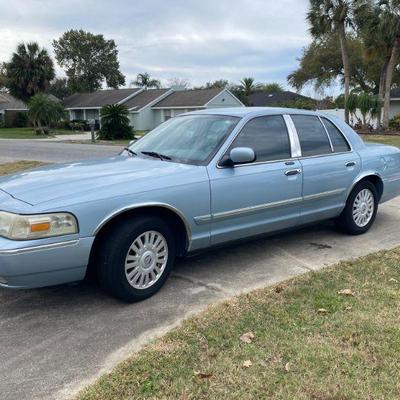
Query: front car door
point(261, 196)
point(329, 167)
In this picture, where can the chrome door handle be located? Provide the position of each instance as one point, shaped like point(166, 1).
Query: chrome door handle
point(291, 172)
point(350, 164)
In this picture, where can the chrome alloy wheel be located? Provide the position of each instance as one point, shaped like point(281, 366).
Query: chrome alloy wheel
point(146, 260)
point(363, 208)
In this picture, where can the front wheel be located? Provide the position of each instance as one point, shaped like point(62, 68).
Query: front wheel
point(360, 210)
point(135, 258)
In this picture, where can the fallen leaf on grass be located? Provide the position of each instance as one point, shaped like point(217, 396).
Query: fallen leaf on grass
point(247, 364)
point(287, 367)
point(247, 337)
point(203, 375)
point(322, 310)
point(346, 292)
point(184, 396)
point(348, 308)
point(393, 280)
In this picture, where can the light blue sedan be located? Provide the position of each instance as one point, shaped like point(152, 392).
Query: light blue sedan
point(199, 180)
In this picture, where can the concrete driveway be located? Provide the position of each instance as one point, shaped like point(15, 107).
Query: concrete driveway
point(54, 340)
point(50, 151)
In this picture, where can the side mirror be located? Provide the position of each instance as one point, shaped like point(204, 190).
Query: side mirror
point(242, 155)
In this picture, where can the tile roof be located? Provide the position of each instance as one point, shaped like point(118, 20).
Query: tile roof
point(188, 98)
point(99, 98)
point(8, 102)
point(144, 98)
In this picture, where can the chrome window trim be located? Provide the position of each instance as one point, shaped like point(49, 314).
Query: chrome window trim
point(260, 162)
point(293, 135)
point(40, 247)
point(204, 219)
point(340, 131)
point(327, 134)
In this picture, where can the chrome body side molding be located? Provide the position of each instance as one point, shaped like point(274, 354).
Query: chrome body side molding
point(204, 219)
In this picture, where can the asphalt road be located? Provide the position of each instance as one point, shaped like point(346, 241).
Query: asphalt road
point(55, 340)
point(38, 150)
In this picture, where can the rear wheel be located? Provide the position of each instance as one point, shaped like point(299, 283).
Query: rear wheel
point(360, 210)
point(135, 258)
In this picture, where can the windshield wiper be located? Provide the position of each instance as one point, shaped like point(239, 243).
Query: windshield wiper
point(132, 153)
point(156, 155)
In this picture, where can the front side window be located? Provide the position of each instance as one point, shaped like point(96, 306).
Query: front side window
point(191, 139)
point(339, 143)
point(313, 138)
point(267, 136)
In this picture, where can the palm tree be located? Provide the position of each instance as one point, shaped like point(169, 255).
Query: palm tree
point(247, 86)
point(115, 122)
point(44, 112)
point(29, 71)
point(333, 16)
point(145, 81)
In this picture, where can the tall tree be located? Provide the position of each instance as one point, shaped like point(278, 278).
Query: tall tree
point(390, 19)
point(273, 87)
point(217, 84)
point(321, 65)
point(248, 86)
point(29, 71)
point(179, 82)
point(333, 16)
point(59, 87)
point(88, 60)
point(3, 78)
point(145, 81)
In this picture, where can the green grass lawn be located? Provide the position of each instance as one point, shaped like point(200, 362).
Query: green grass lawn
point(29, 133)
point(328, 335)
point(393, 140)
point(12, 167)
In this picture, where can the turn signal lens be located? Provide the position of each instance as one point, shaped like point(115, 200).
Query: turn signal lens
point(26, 227)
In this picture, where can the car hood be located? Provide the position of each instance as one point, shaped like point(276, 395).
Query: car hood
point(108, 177)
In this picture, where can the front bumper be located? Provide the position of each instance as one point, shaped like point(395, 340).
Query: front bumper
point(25, 265)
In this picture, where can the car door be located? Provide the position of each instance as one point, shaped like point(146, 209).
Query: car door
point(329, 167)
point(258, 197)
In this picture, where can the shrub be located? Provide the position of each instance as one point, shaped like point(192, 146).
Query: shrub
point(394, 123)
point(115, 122)
point(21, 120)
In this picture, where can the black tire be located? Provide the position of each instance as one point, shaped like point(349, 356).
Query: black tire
point(113, 250)
point(346, 221)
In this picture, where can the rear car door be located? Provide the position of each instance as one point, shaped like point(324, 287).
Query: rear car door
point(258, 197)
point(329, 167)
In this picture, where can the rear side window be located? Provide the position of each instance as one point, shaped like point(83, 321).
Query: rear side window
point(267, 136)
point(339, 143)
point(313, 138)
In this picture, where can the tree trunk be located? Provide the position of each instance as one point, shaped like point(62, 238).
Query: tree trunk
point(382, 80)
point(389, 77)
point(346, 68)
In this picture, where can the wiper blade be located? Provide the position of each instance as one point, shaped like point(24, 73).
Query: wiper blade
point(156, 155)
point(131, 152)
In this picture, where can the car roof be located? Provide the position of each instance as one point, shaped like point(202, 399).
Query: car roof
point(250, 111)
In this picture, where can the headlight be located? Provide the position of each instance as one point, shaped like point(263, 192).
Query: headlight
point(26, 227)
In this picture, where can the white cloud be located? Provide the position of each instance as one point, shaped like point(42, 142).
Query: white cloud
point(198, 40)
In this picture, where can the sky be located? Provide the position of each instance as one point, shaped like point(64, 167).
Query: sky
point(200, 40)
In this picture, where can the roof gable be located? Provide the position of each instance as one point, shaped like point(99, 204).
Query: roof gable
point(8, 102)
point(188, 98)
point(145, 98)
point(98, 99)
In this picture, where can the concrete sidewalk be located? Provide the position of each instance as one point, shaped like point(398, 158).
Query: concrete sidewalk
point(55, 340)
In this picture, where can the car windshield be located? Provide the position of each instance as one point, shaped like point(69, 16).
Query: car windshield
point(191, 139)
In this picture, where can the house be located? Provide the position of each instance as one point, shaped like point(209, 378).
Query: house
point(182, 101)
point(394, 102)
point(9, 107)
point(148, 108)
point(284, 98)
point(86, 106)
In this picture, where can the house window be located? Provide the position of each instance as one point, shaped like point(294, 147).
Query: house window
point(167, 115)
